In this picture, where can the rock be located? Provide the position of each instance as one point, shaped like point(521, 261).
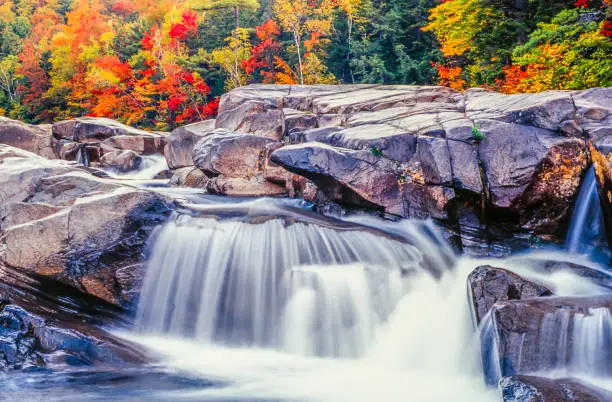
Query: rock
point(360, 178)
point(297, 120)
point(313, 134)
point(253, 117)
point(179, 150)
point(531, 172)
point(93, 129)
point(553, 333)
point(189, 177)
point(143, 143)
point(27, 341)
point(231, 154)
point(545, 110)
point(44, 323)
point(488, 285)
point(354, 177)
point(122, 161)
point(524, 172)
point(522, 388)
point(35, 139)
point(85, 228)
point(240, 187)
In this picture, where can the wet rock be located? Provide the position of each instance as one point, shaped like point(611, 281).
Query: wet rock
point(521, 388)
point(531, 172)
point(489, 285)
point(552, 333)
point(179, 150)
point(47, 324)
point(122, 161)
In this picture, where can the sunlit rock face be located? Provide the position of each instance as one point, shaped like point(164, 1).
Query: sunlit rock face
point(473, 160)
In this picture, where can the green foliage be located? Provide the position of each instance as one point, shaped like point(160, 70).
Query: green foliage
point(476, 133)
point(377, 152)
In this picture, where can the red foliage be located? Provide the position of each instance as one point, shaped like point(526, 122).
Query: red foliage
point(450, 76)
point(606, 30)
point(178, 31)
point(124, 7)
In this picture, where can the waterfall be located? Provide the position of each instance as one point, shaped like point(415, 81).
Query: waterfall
point(289, 284)
point(150, 167)
point(586, 227)
point(82, 156)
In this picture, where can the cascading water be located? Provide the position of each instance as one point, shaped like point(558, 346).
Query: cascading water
point(586, 229)
point(282, 305)
point(286, 306)
point(292, 286)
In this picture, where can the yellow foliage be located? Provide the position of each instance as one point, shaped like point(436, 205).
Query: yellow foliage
point(457, 23)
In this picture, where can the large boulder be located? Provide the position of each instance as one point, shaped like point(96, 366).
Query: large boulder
point(488, 285)
point(121, 160)
point(85, 228)
point(36, 139)
point(531, 172)
point(179, 150)
point(521, 388)
point(231, 154)
point(238, 163)
point(364, 178)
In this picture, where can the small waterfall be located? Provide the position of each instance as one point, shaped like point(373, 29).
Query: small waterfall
point(82, 156)
point(586, 227)
point(278, 282)
point(150, 167)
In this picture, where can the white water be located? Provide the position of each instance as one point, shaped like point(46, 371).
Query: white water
point(279, 309)
point(150, 167)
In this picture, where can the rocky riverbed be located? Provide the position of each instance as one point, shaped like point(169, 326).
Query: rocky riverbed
point(497, 174)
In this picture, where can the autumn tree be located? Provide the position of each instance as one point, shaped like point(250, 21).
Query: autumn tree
point(304, 17)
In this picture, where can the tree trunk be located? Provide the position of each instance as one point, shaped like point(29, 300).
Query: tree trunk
point(237, 15)
point(348, 53)
point(296, 37)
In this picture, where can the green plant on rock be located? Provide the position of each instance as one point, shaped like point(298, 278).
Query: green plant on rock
point(377, 152)
point(478, 135)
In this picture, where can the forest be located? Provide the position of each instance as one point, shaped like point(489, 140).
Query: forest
point(161, 64)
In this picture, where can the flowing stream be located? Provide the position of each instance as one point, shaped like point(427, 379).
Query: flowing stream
point(265, 301)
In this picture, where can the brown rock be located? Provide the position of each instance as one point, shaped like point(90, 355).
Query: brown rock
point(179, 150)
point(489, 285)
point(231, 154)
